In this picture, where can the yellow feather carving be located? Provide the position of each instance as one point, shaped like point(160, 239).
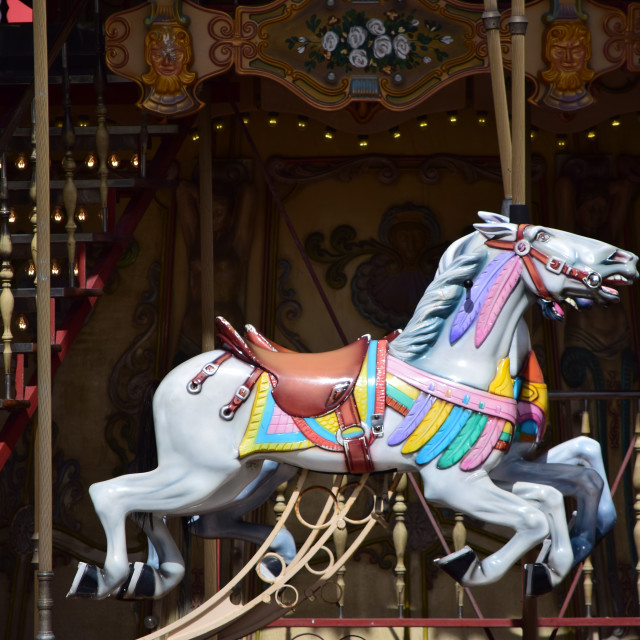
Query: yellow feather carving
point(429, 426)
point(502, 384)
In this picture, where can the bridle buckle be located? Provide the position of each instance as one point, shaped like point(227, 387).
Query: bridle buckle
point(555, 265)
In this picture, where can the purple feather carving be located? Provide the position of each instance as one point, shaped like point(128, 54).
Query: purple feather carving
point(498, 295)
point(412, 419)
point(484, 445)
point(468, 311)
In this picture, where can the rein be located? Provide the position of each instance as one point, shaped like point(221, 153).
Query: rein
point(522, 247)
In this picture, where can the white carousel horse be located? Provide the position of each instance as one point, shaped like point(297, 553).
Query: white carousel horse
point(439, 402)
point(574, 467)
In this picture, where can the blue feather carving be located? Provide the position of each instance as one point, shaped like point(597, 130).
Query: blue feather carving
point(465, 440)
point(412, 419)
point(446, 434)
point(470, 308)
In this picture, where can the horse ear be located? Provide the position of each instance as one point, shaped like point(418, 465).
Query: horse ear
point(494, 225)
point(488, 216)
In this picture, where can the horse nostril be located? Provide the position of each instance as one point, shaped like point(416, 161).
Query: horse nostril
point(619, 257)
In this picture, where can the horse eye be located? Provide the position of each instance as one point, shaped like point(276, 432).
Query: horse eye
point(542, 236)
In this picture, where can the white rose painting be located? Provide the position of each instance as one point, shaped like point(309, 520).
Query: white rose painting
point(359, 42)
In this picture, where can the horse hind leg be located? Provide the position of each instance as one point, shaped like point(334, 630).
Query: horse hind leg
point(164, 568)
point(160, 491)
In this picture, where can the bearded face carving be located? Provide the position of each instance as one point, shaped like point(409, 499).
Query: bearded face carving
point(168, 52)
point(567, 51)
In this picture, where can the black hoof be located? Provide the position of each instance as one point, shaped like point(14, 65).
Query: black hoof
point(85, 584)
point(140, 584)
point(538, 579)
point(457, 564)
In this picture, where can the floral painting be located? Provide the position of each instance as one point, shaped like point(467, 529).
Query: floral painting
point(355, 41)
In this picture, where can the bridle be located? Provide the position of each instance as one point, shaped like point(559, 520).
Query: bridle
point(522, 247)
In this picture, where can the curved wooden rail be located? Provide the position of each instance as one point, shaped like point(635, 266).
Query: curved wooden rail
point(225, 620)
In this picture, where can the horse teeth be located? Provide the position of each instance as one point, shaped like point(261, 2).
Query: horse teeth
point(573, 303)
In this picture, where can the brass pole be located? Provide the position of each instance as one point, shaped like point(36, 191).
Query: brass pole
point(43, 442)
point(208, 308)
point(491, 20)
point(518, 28)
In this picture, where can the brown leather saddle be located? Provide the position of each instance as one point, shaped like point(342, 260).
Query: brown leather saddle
point(305, 385)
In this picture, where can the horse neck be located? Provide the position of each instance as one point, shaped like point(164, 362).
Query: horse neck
point(463, 361)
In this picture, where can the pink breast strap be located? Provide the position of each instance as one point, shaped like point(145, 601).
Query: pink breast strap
point(454, 392)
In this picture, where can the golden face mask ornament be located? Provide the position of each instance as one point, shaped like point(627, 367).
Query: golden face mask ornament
point(567, 51)
point(168, 53)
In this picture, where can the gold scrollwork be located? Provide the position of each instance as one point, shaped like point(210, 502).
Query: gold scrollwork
point(117, 56)
point(221, 53)
point(116, 30)
point(615, 48)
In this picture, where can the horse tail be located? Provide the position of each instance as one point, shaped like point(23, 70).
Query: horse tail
point(146, 452)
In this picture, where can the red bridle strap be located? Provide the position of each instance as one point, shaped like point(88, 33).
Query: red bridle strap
point(522, 247)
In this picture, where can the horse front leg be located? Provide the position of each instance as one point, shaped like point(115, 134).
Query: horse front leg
point(477, 496)
point(586, 452)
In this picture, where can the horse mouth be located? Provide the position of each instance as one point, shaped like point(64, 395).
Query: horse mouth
point(609, 284)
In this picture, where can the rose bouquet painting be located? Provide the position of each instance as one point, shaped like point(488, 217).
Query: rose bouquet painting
point(355, 41)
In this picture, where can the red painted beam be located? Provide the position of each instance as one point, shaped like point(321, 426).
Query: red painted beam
point(463, 623)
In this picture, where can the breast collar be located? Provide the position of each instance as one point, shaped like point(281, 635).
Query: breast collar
point(522, 247)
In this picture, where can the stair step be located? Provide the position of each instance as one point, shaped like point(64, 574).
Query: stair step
point(58, 292)
point(28, 347)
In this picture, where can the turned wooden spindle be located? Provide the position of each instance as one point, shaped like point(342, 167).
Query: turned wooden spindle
point(6, 275)
point(636, 504)
point(459, 540)
point(340, 542)
point(400, 542)
point(587, 568)
point(102, 134)
point(33, 219)
point(69, 191)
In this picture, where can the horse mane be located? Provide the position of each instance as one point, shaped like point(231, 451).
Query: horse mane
point(435, 306)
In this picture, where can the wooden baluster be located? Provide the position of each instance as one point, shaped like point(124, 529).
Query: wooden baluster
point(587, 568)
point(636, 504)
point(102, 134)
point(6, 275)
point(280, 502)
point(69, 191)
point(400, 542)
point(459, 540)
point(340, 542)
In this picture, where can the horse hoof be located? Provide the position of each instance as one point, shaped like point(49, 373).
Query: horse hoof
point(140, 584)
point(457, 564)
point(538, 579)
point(581, 545)
point(85, 584)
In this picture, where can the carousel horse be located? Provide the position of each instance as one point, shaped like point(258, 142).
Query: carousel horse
point(437, 400)
point(574, 467)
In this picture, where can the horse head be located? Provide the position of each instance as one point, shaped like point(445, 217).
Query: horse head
point(561, 266)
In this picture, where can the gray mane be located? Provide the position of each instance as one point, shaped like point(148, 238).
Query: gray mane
point(436, 305)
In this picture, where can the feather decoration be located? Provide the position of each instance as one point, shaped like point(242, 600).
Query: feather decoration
point(498, 295)
point(412, 419)
point(484, 445)
point(468, 311)
point(464, 441)
point(445, 436)
point(438, 413)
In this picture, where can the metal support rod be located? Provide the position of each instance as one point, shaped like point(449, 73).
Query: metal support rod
point(518, 27)
point(44, 489)
point(491, 20)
